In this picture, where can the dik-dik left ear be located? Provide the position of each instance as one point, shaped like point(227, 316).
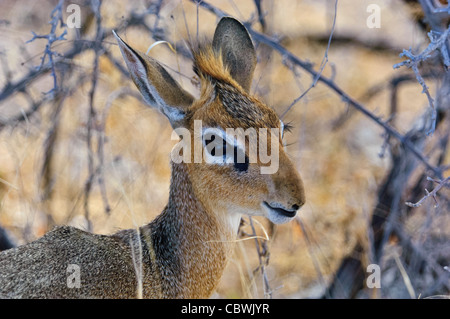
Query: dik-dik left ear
point(156, 85)
point(238, 53)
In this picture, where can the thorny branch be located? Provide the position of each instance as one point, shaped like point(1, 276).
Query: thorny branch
point(406, 140)
point(388, 217)
point(413, 61)
point(263, 256)
point(441, 183)
point(95, 4)
point(57, 18)
point(322, 65)
point(308, 67)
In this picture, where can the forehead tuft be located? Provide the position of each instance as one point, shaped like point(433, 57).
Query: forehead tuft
point(223, 102)
point(246, 110)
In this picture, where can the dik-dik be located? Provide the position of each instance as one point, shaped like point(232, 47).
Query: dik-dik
point(183, 252)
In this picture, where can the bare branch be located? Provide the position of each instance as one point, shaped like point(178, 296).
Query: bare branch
point(95, 4)
point(322, 65)
point(441, 183)
point(437, 43)
point(51, 37)
point(308, 67)
point(263, 257)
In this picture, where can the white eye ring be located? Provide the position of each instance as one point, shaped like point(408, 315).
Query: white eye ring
point(282, 129)
point(218, 158)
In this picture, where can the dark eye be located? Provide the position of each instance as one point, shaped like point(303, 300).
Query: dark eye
point(215, 145)
point(241, 160)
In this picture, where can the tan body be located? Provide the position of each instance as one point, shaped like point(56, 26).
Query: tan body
point(183, 252)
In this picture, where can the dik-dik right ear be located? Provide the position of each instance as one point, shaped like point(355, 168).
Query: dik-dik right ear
point(231, 38)
point(156, 85)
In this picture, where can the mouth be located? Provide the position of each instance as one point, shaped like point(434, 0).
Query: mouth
point(277, 208)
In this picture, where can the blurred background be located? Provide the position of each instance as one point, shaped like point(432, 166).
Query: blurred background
point(79, 147)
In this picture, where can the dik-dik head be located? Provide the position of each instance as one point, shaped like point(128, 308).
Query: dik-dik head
point(231, 142)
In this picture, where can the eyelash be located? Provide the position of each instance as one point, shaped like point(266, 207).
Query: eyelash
point(288, 127)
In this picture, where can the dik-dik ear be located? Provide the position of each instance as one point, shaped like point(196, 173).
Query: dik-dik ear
point(238, 53)
point(156, 85)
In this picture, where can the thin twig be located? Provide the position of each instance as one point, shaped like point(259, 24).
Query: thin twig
point(79, 46)
point(322, 65)
point(405, 277)
point(261, 18)
point(263, 253)
point(439, 41)
point(262, 38)
point(432, 194)
point(57, 18)
point(315, 262)
point(95, 4)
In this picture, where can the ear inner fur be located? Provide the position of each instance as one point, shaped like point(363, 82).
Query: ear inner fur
point(156, 85)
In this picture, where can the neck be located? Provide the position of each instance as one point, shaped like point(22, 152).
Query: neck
point(191, 243)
